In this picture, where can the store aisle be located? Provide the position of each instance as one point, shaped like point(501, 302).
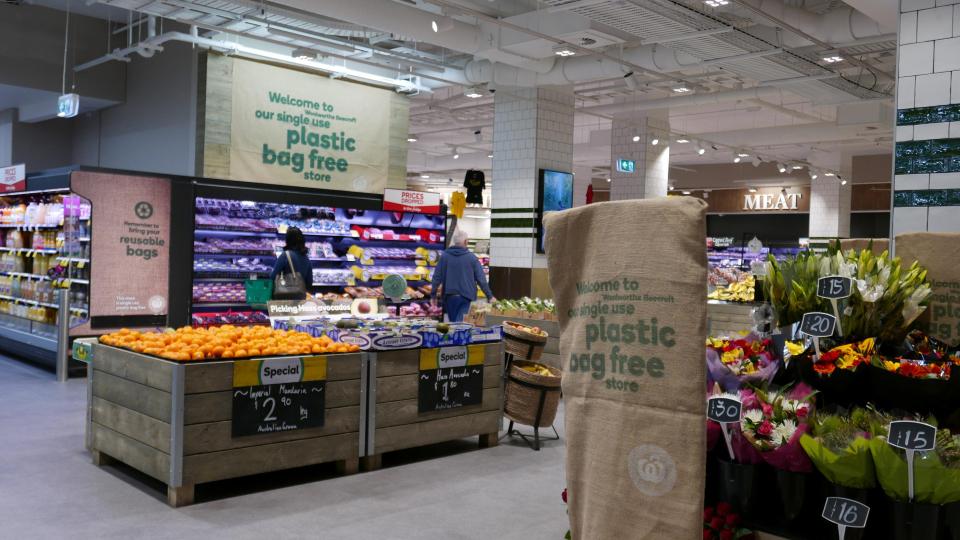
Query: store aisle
point(50, 489)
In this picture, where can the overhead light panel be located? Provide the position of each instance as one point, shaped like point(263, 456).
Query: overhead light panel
point(743, 154)
point(782, 168)
point(441, 23)
point(489, 155)
point(681, 89)
point(796, 167)
point(829, 174)
point(752, 190)
point(425, 176)
point(636, 138)
point(411, 139)
point(563, 49)
point(686, 192)
point(716, 3)
point(303, 53)
point(833, 58)
point(655, 141)
point(736, 158)
point(843, 182)
point(701, 150)
point(472, 92)
point(682, 140)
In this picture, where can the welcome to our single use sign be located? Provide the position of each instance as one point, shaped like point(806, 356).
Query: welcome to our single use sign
point(278, 394)
point(450, 377)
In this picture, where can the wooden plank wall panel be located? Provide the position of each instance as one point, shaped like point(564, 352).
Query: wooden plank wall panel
point(446, 429)
point(137, 397)
point(135, 454)
point(269, 457)
point(217, 436)
point(403, 387)
point(218, 406)
point(396, 413)
point(218, 376)
point(139, 427)
point(144, 370)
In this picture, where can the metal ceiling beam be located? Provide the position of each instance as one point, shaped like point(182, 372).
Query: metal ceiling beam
point(685, 37)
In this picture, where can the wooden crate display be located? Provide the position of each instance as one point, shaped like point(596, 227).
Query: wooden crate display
point(397, 423)
point(172, 421)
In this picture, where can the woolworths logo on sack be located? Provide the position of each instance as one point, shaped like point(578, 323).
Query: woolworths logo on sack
point(652, 470)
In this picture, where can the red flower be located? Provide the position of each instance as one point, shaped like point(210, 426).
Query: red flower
point(564, 495)
point(726, 534)
point(824, 368)
point(724, 508)
point(802, 411)
point(708, 534)
point(765, 429)
point(716, 523)
point(707, 514)
point(733, 520)
point(767, 409)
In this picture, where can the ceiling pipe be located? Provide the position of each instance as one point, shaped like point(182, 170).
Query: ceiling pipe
point(885, 12)
point(838, 26)
point(758, 92)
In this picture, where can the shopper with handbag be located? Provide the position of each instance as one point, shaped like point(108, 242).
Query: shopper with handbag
point(292, 274)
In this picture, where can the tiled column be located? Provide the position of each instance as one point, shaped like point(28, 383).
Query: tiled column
point(652, 161)
point(582, 178)
point(830, 203)
point(927, 160)
point(532, 130)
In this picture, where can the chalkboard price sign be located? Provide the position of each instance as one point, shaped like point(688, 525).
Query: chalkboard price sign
point(724, 410)
point(278, 394)
point(846, 512)
point(450, 377)
point(910, 435)
point(818, 324)
point(834, 287)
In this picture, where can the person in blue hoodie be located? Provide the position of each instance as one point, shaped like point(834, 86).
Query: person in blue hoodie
point(456, 278)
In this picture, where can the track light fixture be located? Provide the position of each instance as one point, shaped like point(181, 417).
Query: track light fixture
point(756, 161)
point(636, 138)
point(782, 168)
point(655, 140)
point(441, 23)
point(701, 150)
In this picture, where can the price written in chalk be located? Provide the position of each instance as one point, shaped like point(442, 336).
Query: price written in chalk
point(450, 377)
point(834, 287)
point(724, 410)
point(846, 512)
point(911, 435)
point(818, 324)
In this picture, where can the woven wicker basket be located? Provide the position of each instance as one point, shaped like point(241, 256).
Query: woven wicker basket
point(525, 391)
point(522, 345)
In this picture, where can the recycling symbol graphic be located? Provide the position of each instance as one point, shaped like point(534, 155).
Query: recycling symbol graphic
point(143, 209)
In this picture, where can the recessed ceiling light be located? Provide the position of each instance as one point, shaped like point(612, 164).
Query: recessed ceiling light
point(636, 138)
point(752, 190)
point(411, 139)
point(736, 159)
point(833, 59)
point(608, 179)
point(781, 167)
point(472, 92)
point(843, 182)
point(563, 50)
point(425, 176)
point(796, 167)
point(743, 154)
point(489, 155)
point(716, 3)
point(685, 192)
point(655, 141)
point(701, 150)
point(681, 89)
point(829, 174)
point(441, 24)
point(681, 140)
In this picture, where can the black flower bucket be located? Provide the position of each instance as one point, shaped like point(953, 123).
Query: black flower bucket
point(914, 521)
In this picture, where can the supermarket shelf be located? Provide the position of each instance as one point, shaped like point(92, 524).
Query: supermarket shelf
point(80, 281)
point(38, 277)
point(85, 239)
point(73, 259)
point(244, 232)
point(232, 254)
point(227, 274)
point(29, 227)
point(219, 304)
point(29, 338)
point(28, 250)
point(27, 302)
point(217, 279)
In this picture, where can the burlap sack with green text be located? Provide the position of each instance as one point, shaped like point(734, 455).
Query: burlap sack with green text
point(629, 279)
point(939, 253)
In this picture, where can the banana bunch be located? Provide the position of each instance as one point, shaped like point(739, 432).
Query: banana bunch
point(740, 291)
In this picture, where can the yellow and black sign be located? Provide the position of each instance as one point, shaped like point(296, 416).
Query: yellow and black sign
point(450, 377)
point(278, 394)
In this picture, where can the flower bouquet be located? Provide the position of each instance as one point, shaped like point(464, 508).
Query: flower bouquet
point(840, 373)
point(918, 379)
point(721, 523)
point(839, 446)
point(733, 362)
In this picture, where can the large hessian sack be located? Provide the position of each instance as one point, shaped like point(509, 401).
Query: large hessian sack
point(939, 253)
point(629, 279)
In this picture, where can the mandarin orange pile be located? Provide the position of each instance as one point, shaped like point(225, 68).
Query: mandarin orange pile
point(226, 341)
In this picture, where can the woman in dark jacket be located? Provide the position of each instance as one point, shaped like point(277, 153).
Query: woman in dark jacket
point(296, 246)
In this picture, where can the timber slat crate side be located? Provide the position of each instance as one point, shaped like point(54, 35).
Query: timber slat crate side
point(132, 424)
point(148, 371)
point(217, 436)
point(403, 387)
point(445, 429)
point(397, 413)
point(212, 466)
point(218, 406)
point(134, 396)
point(218, 376)
point(405, 362)
point(144, 458)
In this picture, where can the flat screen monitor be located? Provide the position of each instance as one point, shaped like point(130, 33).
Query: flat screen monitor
point(555, 194)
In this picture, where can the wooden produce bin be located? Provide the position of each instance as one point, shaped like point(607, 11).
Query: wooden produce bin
point(551, 351)
point(173, 421)
point(396, 423)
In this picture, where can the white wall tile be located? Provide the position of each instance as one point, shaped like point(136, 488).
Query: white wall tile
point(954, 130)
point(945, 181)
point(902, 182)
point(931, 131)
point(955, 88)
point(916, 58)
point(906, 92)
point(947, 55)
point(908, 28)
point(935, 23)
point(944, 219)
point(909, 220)
point(946, 2)
point(914, 5)
point(933, 89)
point(904, 133)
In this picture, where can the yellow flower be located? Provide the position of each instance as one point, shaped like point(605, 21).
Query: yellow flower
point(749, 367)
point(891, 366)
point(866, 346)
point(731, 357)
point(796, 348)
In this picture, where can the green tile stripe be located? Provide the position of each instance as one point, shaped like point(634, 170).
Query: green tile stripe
point(513, 210)
point(926, 197)
point(928, 115)
point(512, 235)
point(513, 223)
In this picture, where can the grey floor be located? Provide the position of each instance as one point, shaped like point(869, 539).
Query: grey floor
point(50, 489)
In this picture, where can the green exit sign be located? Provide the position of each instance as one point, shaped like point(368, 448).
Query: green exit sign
point(626, 165)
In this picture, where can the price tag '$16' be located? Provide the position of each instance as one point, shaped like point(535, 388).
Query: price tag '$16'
point(846, 512)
